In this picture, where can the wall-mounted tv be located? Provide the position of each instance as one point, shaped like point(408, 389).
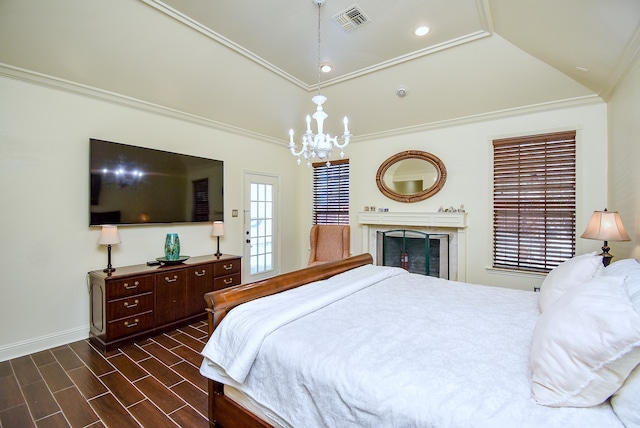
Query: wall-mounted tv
point(137, 185)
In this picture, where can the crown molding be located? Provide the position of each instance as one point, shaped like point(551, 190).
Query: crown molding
point(184, 19)
point(483, 9)
point(484, 117)
point(622, 68)
point(123, 100)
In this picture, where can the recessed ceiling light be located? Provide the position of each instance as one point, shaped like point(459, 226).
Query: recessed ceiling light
point(325, 68)
point(421, 31)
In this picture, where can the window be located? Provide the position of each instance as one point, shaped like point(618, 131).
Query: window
point(331, 192)
point(534, 193)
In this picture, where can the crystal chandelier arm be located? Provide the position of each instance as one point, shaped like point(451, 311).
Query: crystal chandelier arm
point(292, 145)
point(346, 138)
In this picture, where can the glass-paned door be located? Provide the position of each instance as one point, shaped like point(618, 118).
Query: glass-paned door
point(260, 251)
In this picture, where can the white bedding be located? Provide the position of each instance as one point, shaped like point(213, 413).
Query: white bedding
point(401, 350)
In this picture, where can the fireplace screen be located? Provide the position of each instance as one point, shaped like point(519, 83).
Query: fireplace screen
point(417, 252)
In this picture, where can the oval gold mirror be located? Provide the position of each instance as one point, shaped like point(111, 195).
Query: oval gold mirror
point(411, 176)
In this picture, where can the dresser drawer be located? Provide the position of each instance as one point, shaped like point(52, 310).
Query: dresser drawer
point(226, 281)
point(200, 273)
point(226, 267)
point(129, 306)
point(129, 287)
point(131, 325)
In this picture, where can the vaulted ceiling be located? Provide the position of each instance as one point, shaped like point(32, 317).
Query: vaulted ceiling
point(252, 66)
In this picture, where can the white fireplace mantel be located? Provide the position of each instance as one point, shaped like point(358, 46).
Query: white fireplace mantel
point(453, 222)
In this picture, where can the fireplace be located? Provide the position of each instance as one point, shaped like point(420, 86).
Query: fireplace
point(451, 224)
point(417, 252)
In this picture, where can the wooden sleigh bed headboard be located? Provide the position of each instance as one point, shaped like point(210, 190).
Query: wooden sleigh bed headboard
point(224, 412)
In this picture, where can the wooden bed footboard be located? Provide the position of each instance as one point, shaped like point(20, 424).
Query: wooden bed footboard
point(224, 412)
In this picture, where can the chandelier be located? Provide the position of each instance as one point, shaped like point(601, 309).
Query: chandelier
point(319, 145)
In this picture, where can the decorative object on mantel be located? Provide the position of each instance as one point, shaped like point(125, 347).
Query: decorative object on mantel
point(606, 226)
point(451, 209)
point(171, 247)
point(217, 230)
point(319, 145)
point(109, 236)
point(411, 176)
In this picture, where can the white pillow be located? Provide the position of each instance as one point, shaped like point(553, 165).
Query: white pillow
point(625, 267)
point(569, 274)
point(585, 345)
point(626, 402)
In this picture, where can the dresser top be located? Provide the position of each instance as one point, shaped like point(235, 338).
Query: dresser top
point(124, 271)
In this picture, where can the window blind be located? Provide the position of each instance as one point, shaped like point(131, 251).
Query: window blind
point(534, 192)
point(331, 192)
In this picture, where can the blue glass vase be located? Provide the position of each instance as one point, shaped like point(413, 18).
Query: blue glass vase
point(172, 246)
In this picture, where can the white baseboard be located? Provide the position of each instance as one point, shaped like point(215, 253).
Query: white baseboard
point(19, 349)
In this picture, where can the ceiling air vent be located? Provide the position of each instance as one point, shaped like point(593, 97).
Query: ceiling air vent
point(351, 18)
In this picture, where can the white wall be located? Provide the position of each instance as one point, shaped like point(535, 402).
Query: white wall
point(466, 150)
point(624, 155)
point(46, 246)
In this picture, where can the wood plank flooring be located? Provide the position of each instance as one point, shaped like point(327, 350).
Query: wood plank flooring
point(152, 383)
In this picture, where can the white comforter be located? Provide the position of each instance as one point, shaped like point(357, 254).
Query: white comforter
point(389, 349)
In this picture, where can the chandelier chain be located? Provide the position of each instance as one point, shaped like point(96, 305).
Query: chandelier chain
point(319, 145)
point(319, 40)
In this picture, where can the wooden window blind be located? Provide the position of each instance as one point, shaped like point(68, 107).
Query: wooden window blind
point(331, 192)
point(534, 193)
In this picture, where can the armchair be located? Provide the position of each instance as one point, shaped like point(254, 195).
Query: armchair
point(329, 242)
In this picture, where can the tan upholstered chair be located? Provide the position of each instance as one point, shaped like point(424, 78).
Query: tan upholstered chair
point(329, 242)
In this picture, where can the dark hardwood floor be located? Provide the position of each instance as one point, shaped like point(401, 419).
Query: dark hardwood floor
point(152, 383)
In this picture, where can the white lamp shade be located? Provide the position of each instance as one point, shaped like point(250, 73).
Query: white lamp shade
point(605, 226)
point(217, 229)
point(109, 236)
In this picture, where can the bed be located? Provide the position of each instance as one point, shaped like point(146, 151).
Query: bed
point(351, 344)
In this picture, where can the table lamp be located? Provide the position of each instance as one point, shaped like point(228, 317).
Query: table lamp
point(218, 230)
point(109, 236)
point(606, 226)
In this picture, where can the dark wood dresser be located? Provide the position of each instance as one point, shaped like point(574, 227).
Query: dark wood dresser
point(139, 301)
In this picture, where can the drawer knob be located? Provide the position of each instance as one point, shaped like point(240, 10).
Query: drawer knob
point(131, 286)
point(228, 281)
point(199, 273)
point(228, 267)
point(133, 324)
point(129, 305)
point(174, 279)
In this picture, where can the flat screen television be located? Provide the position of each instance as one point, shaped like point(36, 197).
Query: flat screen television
point(137, 185)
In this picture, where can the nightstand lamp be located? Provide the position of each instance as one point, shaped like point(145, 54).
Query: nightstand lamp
point(109, 236)
point(605, 226)
point(218, 230)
